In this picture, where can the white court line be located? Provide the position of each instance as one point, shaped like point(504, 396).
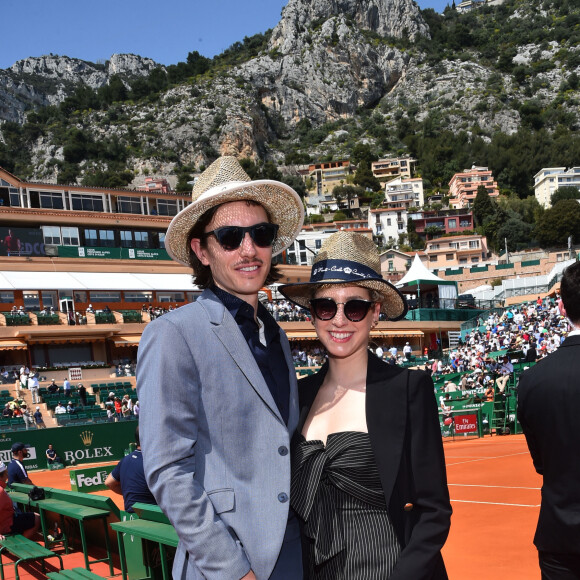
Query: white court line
point(488, 458)
point(496, 503)
point(499, 486)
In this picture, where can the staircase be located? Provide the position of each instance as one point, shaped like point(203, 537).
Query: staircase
point(26, 396)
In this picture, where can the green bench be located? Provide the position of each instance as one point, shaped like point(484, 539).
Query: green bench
point(25, 550)
point(74, 574)
point(80, 506)
point(152, 525)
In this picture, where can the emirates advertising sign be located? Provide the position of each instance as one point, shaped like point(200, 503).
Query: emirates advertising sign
point(466, 423)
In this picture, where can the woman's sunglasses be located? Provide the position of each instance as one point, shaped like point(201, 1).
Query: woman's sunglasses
point(326, 308)
point(231, 237)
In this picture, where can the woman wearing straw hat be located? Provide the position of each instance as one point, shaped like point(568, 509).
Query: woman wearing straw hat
point(369, 481)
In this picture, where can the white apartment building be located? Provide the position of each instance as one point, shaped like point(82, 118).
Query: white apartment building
point(306, 246)
point(390, 223)
point(408, 192)
point(549, 179)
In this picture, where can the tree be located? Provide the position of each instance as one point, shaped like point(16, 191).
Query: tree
point(433, 231)
point(516, 231)
point(115, 91)
point(182, 185)
point(296, 183)
point(482, 206)
point(491, 227)
point(565, 192)
point(339, 216)
point(363, 152)
point(341, 192)
point(365, 178)
point(558, 223)
point(338, 194)
point(197, 64)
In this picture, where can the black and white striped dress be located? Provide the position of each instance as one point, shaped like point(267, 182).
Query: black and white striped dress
point(337, 492)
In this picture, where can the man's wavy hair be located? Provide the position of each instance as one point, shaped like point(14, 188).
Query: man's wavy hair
point(202, 275)
point(570, 292)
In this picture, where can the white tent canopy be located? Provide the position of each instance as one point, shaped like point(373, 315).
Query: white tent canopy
point(430, 289)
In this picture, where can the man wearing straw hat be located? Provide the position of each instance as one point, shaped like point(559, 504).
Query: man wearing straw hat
point(217, 386)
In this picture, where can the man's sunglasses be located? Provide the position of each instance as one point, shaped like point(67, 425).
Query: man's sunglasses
point(231, 237)
point(326, 308)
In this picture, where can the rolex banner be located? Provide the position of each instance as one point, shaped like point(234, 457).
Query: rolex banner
point(94, 443)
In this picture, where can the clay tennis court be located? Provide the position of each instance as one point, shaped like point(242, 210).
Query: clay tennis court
point(495, 494)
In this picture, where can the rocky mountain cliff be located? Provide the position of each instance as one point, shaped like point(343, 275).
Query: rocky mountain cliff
point(48, 80)
point(333, 73)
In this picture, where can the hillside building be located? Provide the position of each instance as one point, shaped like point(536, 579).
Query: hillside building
point(447, 221)
point(453, 251)
point(156, 185)
point(395, 264)
point(328, 175)
point(404, 193)
point(391, 167)
point(549, 179)
point(463, 186)
point(388, 224)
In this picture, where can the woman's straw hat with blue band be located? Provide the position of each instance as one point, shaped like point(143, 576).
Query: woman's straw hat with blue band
point(348, 258)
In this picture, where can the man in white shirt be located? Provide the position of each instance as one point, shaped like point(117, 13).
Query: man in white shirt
point(33, 386)
point(506, 371)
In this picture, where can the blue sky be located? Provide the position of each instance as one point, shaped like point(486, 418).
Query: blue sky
point(164, 31)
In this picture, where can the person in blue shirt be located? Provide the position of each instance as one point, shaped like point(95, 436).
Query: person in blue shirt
point(16, 470)
point(51, 456)
point(128, 479)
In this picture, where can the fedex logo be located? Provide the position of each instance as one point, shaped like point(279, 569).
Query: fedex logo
point(98, 479)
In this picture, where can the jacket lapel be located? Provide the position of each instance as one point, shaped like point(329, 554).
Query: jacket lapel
point(307, 390)
point(226, 330)
point(386, 411)
point(293, 411)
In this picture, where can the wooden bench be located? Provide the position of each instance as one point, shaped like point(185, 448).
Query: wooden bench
point(80, 506)
point(155, 528)
point(25, 550)
point(74, 574)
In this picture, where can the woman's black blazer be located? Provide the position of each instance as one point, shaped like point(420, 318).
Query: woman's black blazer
point(405, 436)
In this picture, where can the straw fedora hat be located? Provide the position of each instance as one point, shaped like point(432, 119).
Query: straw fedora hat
point(224, 181)
point(348, 258)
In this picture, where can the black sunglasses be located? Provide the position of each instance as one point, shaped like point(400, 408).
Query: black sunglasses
point(326, 308)
point(231, 237)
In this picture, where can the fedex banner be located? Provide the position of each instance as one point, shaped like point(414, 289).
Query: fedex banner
point(465, 423)
point(89, 479)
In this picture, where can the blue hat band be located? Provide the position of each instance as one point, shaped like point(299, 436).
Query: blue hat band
point(344, 270)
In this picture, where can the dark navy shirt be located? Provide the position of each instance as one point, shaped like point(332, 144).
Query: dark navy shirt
point(16, 472)
point(270, 358)
point(129, 472)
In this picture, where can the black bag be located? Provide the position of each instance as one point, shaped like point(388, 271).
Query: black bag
point(36, 493)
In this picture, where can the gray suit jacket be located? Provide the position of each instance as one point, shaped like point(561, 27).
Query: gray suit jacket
point(215, 447)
